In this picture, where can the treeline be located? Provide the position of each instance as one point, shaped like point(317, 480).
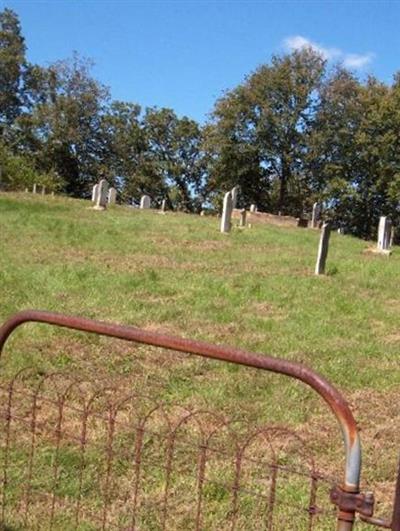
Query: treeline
point(294, 132)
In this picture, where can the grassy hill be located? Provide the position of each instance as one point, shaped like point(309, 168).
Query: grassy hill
point(253, 288)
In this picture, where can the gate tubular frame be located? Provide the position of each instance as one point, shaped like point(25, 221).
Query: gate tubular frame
point(347, 497)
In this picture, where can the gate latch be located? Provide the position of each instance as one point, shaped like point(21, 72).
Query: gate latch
point(362, 503)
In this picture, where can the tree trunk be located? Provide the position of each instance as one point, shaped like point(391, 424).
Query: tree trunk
point(284, 178)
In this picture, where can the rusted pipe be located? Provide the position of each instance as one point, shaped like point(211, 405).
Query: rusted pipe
point(295, 370)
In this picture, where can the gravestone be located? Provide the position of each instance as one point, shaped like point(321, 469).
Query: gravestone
point(202, 213)
point(112, 196)
point(234, 194)
point(95, 191)
point(226, 213)
point(34, 189)
point(52, 194)
point(242, 219)
point(26, 190)
point(316, 215)
point(145, 201)
point(323, 249)
point(253, 208)
point(43, 190)
point(101, 200)
point(164, 206)
point(384, 233)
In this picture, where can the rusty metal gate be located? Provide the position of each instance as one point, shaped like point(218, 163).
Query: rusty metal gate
point(74, 456)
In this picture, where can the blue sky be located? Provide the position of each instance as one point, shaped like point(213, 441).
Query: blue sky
point(184, 54)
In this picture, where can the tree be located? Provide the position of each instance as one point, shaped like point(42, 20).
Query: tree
point(332, 161)
point(12, 65)
point(232, 156)
point(126, 147)
point(66, 121)
point(259, 130)
point(174, 156)
point(17, 173)
point(352, 151)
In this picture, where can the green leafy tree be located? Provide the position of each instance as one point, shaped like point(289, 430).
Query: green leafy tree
point(66, 121)
point(352, 152)
point(16, 172)
point(125, 150)
point(174, 156)
point(12, 65)
point(259, 131)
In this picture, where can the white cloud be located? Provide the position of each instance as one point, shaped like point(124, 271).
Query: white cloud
point(354, 60)
point(297, 42)
point(350, 60)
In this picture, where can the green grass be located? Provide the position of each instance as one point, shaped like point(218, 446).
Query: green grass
point(253, 288)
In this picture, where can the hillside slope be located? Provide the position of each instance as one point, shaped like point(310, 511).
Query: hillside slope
point(253, 288)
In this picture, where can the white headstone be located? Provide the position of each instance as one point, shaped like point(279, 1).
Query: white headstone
point(95, 191)
point(34, 189)
point(43, 190)
point(234, 194)
point(323, 249)
point(164, 205)
point(384, 233)
point(253, 208)
point(226, 213)
point(26, 190)
point(316, 215)
point(101, 200)
point(112, 196)
point(145, 201)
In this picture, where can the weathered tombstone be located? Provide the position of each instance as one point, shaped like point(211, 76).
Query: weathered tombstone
point(164, 206)
point(145, 201)
point(234, 194)
point(340, 230)
point(316, 215)
point(101, 200)
point(52, 194)
point(323, 249)
point(26, 190)
point(242, 219)
point(253, 208)
point(95, 191)
point(202, 213)
point(226, 213)
point(34, 189)
point(43, 190)
point(112, 196)
point(384, 232)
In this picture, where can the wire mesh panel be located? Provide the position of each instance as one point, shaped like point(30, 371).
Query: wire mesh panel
point(76, 456)
point(81, 455)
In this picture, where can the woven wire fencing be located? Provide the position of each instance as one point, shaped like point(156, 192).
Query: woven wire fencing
point(78, 456)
